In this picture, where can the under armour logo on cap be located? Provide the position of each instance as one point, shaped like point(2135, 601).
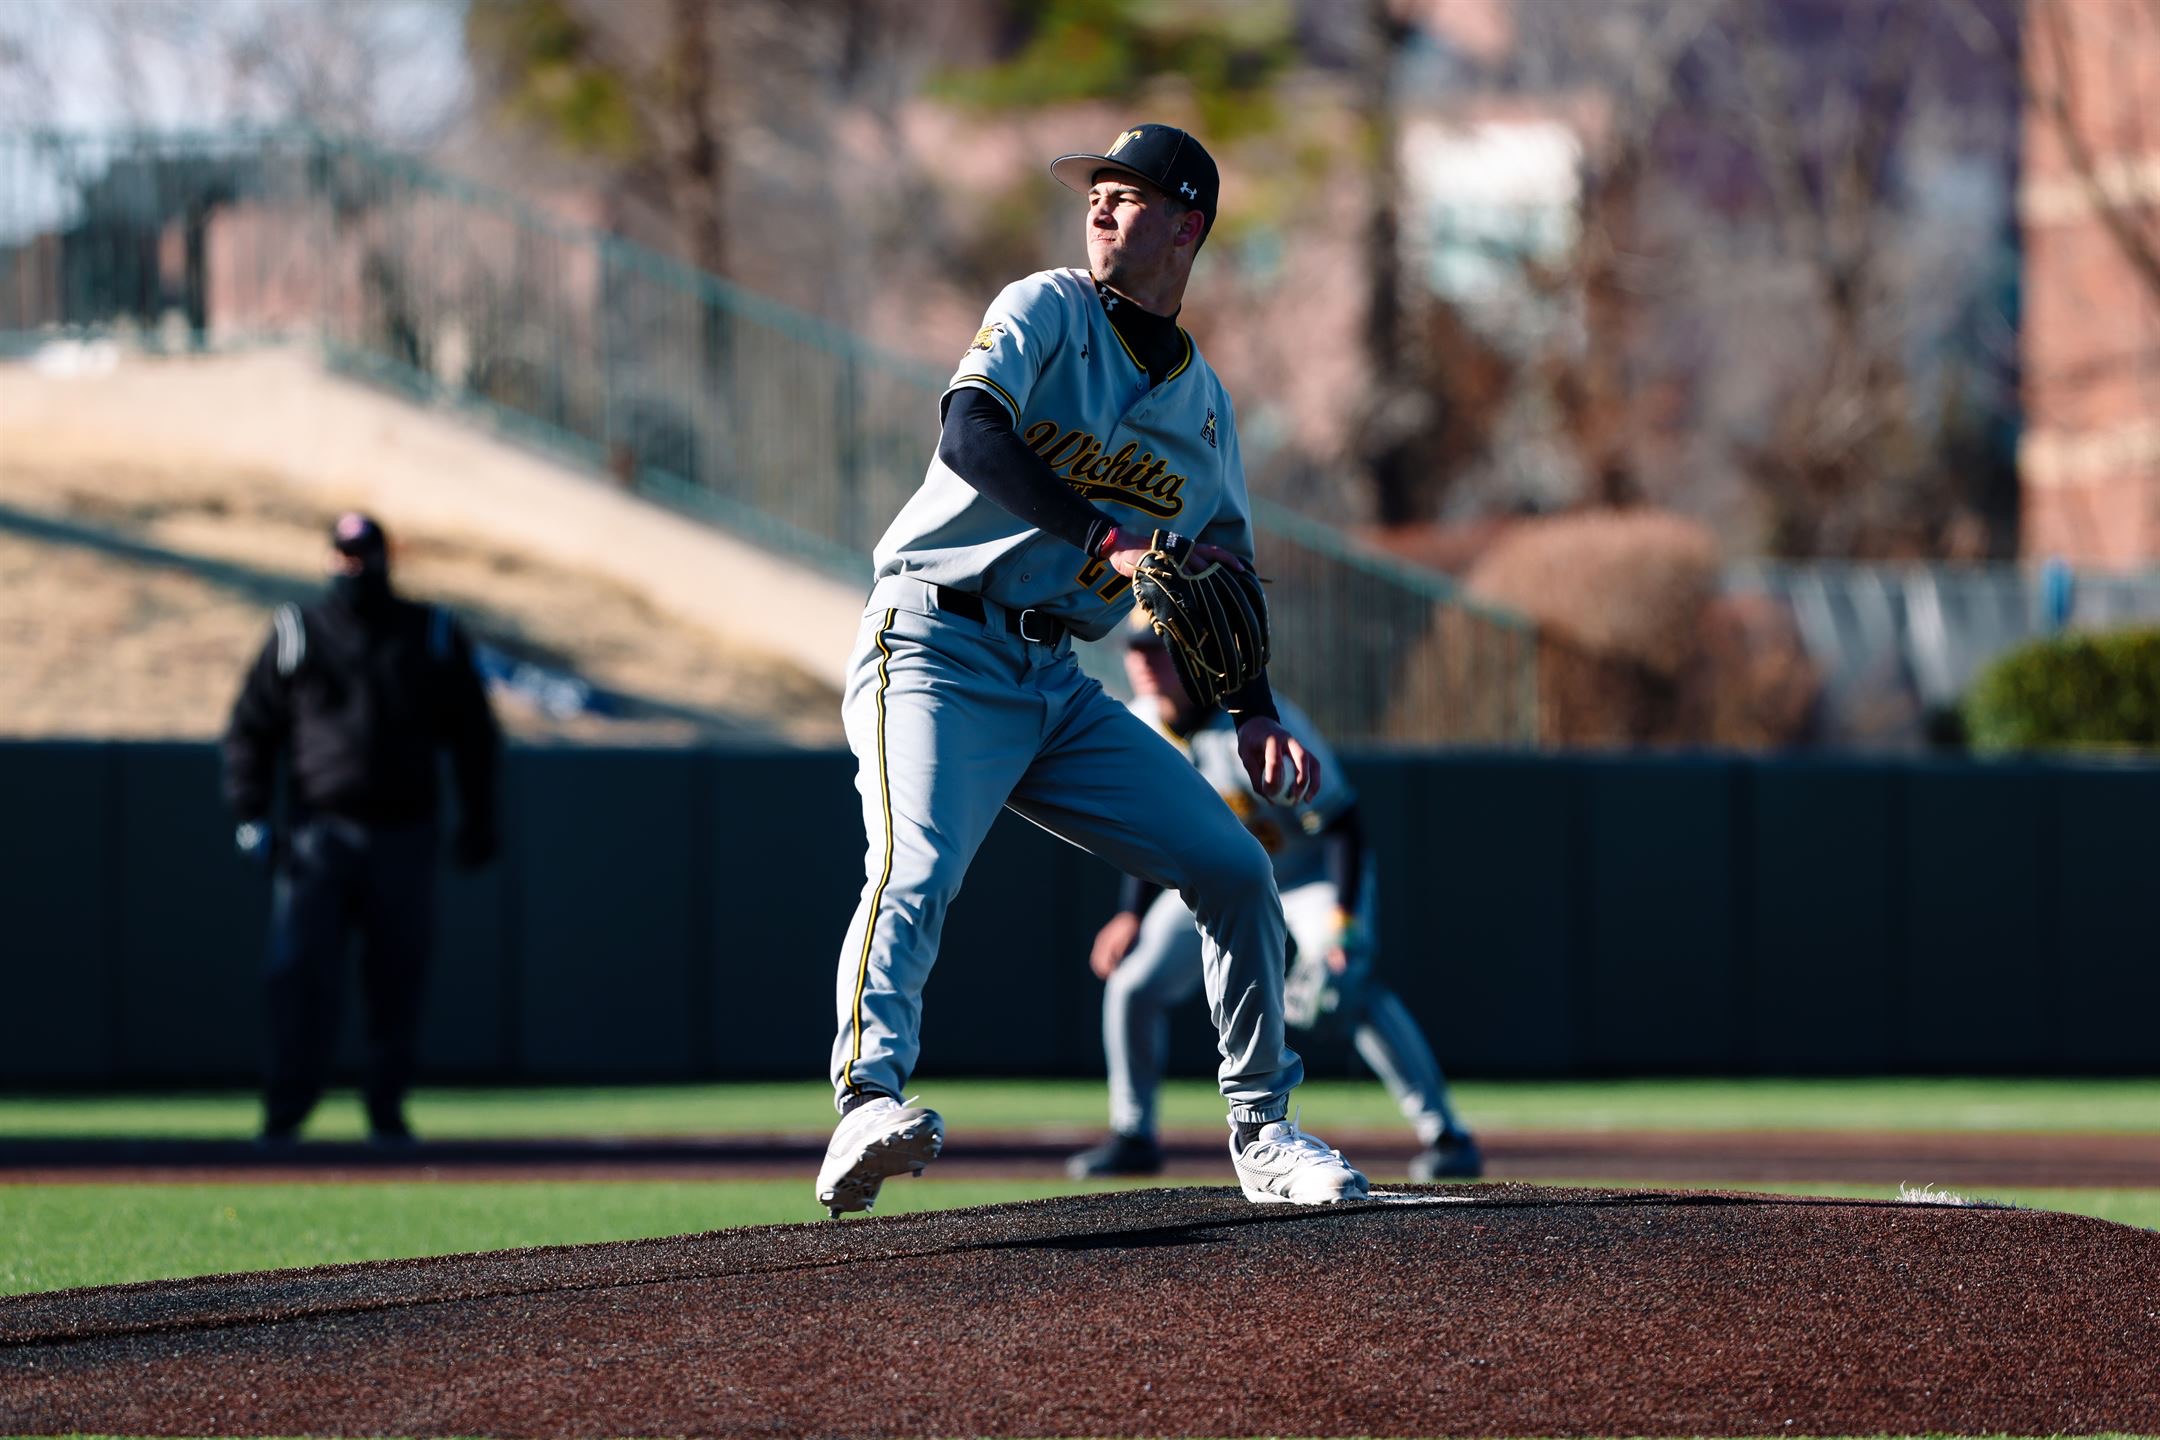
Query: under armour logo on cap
point(1185, 189)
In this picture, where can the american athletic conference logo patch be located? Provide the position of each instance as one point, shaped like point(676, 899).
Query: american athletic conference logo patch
point(1207, 431)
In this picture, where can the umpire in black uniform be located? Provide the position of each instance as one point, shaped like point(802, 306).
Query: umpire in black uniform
point(356, 694)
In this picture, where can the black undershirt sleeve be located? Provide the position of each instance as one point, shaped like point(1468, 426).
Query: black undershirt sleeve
point(978, 444)
point(1344, 856)
point(1135, 895)
point(1256, 697)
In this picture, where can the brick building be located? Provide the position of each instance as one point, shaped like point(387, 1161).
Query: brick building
point(2089, 205)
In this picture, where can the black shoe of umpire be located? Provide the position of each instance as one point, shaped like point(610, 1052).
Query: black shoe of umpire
point(1119, 1155)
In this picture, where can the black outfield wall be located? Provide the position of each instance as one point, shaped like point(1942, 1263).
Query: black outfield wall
point(668, 914)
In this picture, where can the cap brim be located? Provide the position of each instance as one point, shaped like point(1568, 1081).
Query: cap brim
point(1077, 172)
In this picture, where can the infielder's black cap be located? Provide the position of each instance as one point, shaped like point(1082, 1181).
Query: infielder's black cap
point(1160, 154)
point(357, 535)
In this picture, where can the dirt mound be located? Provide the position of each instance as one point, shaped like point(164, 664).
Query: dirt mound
point(1498, 1309)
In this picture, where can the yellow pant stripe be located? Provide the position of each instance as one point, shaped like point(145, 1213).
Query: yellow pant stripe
point(877, 897)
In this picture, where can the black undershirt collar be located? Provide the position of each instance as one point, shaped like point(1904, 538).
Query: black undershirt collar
point(1154, 339)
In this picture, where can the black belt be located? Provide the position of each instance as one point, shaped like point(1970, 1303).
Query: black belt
point(1036, 626)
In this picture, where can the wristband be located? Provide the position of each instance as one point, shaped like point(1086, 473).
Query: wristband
point(1108, 545)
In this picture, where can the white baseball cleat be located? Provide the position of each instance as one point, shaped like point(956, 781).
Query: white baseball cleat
point(1286, 1166)
point(877, 1138)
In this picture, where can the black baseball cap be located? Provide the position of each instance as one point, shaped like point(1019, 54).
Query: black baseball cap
point(1163, 155)
point(358, 535)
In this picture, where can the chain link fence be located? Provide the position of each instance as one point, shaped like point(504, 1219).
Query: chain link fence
point(681, 386)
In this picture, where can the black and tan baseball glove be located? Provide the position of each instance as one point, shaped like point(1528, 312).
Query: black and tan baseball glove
point(1212, 616)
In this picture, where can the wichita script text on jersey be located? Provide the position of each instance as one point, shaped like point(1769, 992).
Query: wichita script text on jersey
point(1080, 457)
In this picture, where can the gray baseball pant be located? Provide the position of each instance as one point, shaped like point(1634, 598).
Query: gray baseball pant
point(951, 719)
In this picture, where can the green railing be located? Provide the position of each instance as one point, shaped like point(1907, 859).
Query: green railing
point(682, 386)
point(1380, 651)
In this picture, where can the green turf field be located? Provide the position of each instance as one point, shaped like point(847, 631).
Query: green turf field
point(2122, 1106)
point(56, 1236)
point(63, 1235)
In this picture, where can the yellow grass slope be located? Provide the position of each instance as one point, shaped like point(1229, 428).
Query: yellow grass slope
point(153, 511)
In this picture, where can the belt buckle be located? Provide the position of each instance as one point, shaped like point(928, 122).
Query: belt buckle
point(1025, 617)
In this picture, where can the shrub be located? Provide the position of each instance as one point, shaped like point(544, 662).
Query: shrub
point(2070, 692)
point(1621, 587)
point(1635, 646)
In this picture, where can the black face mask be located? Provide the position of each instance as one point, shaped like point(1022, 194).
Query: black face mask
point(364, 593)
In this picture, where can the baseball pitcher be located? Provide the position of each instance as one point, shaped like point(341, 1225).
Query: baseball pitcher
point(1085, 442)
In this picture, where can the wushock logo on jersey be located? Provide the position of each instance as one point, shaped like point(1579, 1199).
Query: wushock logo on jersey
point(987, 336)
point(1130, 477)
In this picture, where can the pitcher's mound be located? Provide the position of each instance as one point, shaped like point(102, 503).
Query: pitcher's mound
point(1481, 1310)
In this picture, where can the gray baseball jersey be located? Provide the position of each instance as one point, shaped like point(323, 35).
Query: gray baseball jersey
point(1162, 456)
point(956, 704)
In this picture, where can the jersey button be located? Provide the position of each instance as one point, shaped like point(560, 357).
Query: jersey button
point(1025, 578)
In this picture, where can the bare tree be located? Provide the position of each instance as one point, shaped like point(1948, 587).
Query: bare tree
point(1444, 386)
point(1826, 167)
point(1401, 408)
point(640, 88)
point(696, 160)
point(1642, 48)
point(1853, 464)
point(1764, 255)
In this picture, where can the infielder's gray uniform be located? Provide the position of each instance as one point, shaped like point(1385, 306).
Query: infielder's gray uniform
point(1165, 964)
point(953, 711)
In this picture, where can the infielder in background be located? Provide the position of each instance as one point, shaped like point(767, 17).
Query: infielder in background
point(1149, 952)
point(1080, 420)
